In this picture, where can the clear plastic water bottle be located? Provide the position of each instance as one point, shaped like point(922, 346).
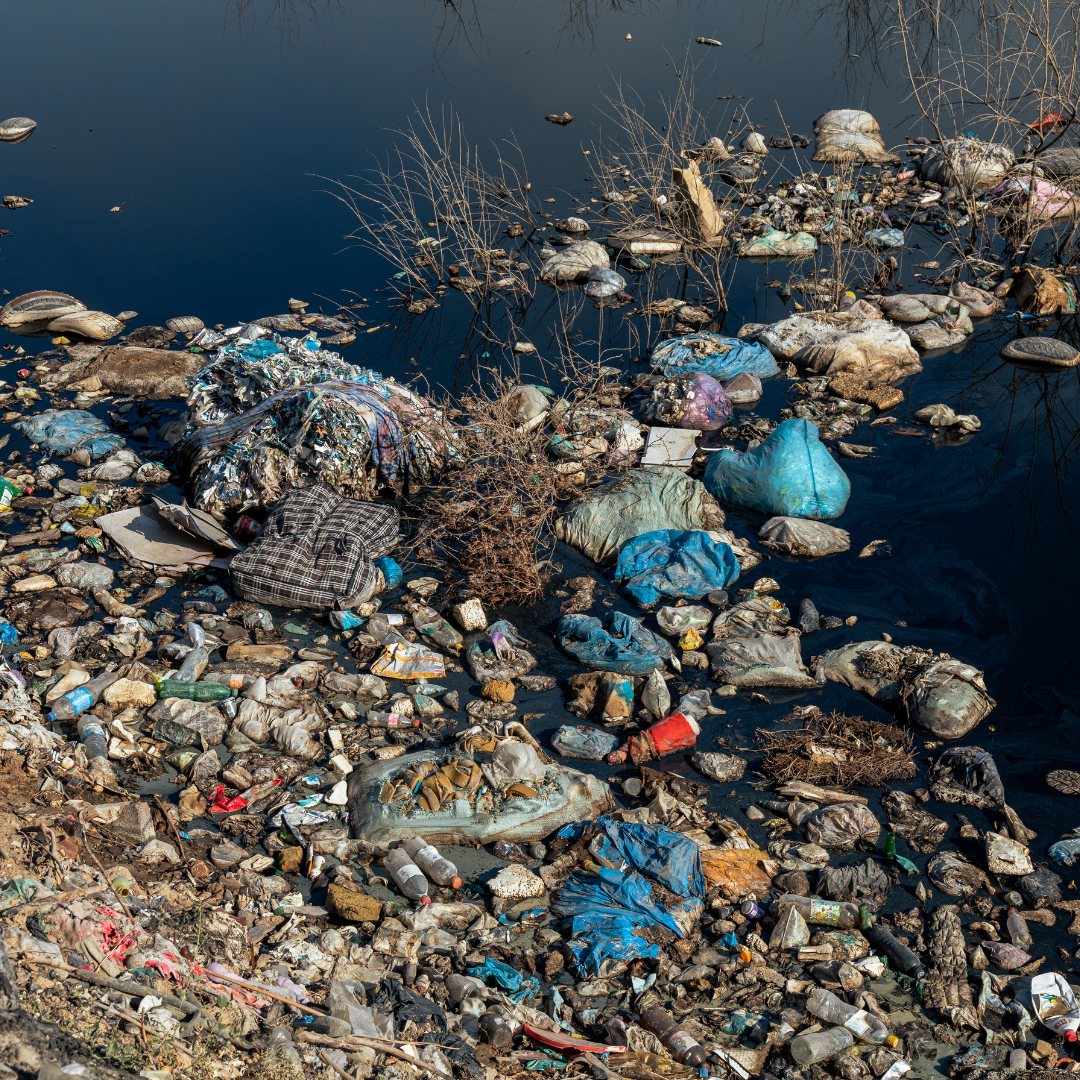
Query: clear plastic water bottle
point(1017, 926)
point(92, 736)
point(426, 856)
point(828, 1007)
point(819, 1045)
point(432, 625)
point(77, 701)
point(193, 666)
point(409, 877)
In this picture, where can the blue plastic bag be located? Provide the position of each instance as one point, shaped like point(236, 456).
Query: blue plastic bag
point(8, 634)
point(513, 982)
point(730, 357)
point(628, 895)
point(663, 854)
point(64, 431)
point(674, 563)
point(391, 571)
point(619, 643)
point(791, 474)
point(597, 939)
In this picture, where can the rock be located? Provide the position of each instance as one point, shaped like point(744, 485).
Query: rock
point(199, 869)
point(290, 859)
point(754, 813)
point(159, 850)
point(129, 694)
point(516, 882)
point(452, 700)
point(809, 616)
point(1006, 856)
point(497, 690)
point(337, 796)
point(695, 971)
point(469, 614)
point(353, 906)
point(135, 824)
point(794, 882)
point(84, 575)
point(720, 767)
point(227, 854)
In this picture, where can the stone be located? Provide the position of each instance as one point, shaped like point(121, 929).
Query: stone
point(755, 813)
point(452, 700)
point(158, 851)
point(497, 690)
point(469, 614)
point(720, 767)
point(135, 824)
point(227, 854)
point(337, 796)
point(129, 694)
point(290, 859)
point(516, 882)
point(353, 906)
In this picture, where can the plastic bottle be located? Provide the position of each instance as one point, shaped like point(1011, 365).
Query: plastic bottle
point(432, 625)
point(92, 736)
point(901, 957)
point(280, 1042)
point(82, 697)
point(345, 620)
point(819, 1045)
point(191, 691)
point(386, 719)
point(1018, 929)
point(827, 912)
point(828, 1007)
point(409, 877)
point(683, 1046)
point(193, 666)
point(239, 683)
point(426, 856)
point(794, 810)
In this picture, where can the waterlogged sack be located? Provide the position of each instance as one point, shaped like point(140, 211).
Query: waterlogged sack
point(790, 474)
point(64, 431)
point(675, 621)
point(966, 162)
point(979, 302)
point(583, 743)
point(604, 282)
point(695, 401)
point(842, 826)
point(618, 643)
point(665, 563)
point(646, 499)
point(802, 536)
point(574, 262)
point(954, 875)
point(721, 357)
point(1067, 850)
point(757, 659)
point(774, 243)
point(842, 135)
point(883, 239)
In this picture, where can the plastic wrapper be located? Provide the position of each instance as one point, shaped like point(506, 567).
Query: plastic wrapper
point(406, 660)
point(695, 401)
point(790, 474)
point(665, 563)
point(721, 357)
point(604, 282)
point(584, 743)
point(65, 431)
point(777, 244)
point(675, 621)
point(759, 659)
point(803, 536)
point(740, 873)
point(486, 663)
point(268, 415)
point(618, 643)
point(842, 826)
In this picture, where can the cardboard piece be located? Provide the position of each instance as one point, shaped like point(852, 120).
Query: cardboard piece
point(152, 541)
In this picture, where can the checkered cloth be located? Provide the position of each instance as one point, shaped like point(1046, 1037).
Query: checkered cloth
point(316, 551)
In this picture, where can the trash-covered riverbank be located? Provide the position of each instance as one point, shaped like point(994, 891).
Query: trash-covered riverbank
point(283, 788)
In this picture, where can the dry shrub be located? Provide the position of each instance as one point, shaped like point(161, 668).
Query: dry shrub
point(841, 750)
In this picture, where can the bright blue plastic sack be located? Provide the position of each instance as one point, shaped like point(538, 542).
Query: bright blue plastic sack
point(619, 643)
point(629, 895)
point(598, 939)
point(64, 431)
point(790, 474)
point(663, 854)
point(732, 356)
point(674, 563)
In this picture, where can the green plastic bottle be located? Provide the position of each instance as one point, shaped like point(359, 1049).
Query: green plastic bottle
point(193, 691)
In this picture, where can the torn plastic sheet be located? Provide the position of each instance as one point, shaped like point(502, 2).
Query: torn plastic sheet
point(511, 981)
point(265, 415)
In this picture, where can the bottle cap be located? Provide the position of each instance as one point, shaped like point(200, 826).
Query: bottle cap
point(892, 1040)
point(1071, 1036)
point(455, 883)
point(425, 900)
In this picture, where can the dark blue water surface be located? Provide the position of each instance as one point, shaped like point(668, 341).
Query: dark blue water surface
point(220, 132)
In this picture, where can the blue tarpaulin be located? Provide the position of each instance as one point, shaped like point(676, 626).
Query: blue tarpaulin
point(677, 564)
point(64, 431)
point(663, 854)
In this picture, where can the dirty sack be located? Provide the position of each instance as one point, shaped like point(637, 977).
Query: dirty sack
point(1034, 198)
point(152, 373)
point(564, 795)
point(803, 536)
point(759, 659)
point(64, 431)
point(842, 135)
point(865, 883)
point(317, 550)
point(968, 775)
point(645, 500)
point(910, 821)
point(968, 163)
point(696, 401)
point(574, 263)
point(721, 357)
point(618, 643)
point(583, 743)
point(943, 696)
point(679, 565)
point(953, 874)
point(870, 347)
point(267, 415)
point(777, 244)
point(790, 474)
point(1036, 291)
point(841, 826)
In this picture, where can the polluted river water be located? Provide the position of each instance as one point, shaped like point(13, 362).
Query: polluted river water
point(190, 162)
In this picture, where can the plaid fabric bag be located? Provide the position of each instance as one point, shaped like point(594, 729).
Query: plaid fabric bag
point(316, 551)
